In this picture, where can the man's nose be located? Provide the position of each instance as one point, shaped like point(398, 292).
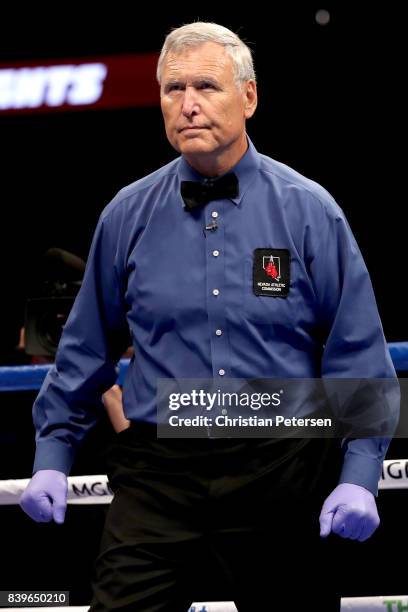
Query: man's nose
point(190, 102)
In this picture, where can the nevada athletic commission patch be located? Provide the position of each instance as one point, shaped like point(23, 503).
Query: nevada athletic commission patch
point(271, 272)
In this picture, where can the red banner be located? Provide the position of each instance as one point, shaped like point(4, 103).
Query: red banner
point(109, 82)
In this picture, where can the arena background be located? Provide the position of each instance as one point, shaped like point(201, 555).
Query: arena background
point(329, 107)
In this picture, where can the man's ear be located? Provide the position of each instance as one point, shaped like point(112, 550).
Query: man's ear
point(251, 98)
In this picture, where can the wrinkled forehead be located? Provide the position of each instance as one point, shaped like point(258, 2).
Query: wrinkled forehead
point(208, 59)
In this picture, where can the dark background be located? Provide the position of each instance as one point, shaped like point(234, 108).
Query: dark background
point(329, 106)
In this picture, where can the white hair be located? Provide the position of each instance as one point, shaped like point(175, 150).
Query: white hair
point(198, 33)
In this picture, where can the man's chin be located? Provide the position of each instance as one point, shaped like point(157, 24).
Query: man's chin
point(196, 146)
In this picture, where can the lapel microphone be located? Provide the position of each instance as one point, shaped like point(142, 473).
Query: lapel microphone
point(211, 227)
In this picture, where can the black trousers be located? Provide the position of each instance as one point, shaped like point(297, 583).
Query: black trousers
point(221, 519)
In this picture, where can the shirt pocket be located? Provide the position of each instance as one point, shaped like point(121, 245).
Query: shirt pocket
point(264, 309)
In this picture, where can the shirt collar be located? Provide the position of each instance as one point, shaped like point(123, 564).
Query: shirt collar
point(245, 170)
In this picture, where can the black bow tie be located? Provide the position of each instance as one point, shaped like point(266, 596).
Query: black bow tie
point(199, 193)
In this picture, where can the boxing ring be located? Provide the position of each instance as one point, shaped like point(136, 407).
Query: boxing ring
point(94, 489)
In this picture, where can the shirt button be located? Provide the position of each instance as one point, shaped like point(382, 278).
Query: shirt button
point(216, 253)
point(218, 332)
point(214, 214)
point(221, 372)
point(216, 291)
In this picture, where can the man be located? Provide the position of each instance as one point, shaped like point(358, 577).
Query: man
point(177, 257)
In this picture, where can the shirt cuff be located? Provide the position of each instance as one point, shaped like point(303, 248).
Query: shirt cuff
point(361, 470)
point(53, 454)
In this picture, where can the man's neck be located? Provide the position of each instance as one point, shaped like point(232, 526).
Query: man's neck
point(213, 166)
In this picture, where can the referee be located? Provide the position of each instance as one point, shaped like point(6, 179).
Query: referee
point(222, 264)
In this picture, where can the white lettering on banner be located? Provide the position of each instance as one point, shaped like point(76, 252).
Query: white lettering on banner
point(51, 85)
point(87, 84)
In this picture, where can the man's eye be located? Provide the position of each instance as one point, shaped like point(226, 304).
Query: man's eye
point(206, 85)
point(174, 87)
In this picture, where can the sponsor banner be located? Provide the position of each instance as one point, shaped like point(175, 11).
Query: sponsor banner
point(394, 474)
point(386, 603)
point(108, 82)
point(81, 490)
point(89, 490)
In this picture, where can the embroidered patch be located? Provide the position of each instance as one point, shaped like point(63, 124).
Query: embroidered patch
point(271, 272)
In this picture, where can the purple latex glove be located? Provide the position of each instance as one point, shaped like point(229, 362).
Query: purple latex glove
point(350, 511)
point(45, 497)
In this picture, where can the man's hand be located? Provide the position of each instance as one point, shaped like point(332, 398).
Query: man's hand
point(350, 511)
point(112, 400)
point(45, 497)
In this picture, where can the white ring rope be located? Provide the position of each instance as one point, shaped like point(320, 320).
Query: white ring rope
point(95, 489)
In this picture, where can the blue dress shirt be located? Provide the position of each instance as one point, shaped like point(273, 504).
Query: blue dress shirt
point(186, 295)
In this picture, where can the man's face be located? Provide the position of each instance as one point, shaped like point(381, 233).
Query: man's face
point(203, 108)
